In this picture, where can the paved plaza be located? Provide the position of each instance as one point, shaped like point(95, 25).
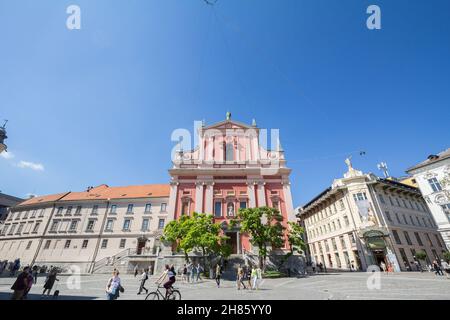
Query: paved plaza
point(335, 286)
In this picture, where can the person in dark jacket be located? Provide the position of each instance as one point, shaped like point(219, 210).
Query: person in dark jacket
point(20, 285)
point(49, 282)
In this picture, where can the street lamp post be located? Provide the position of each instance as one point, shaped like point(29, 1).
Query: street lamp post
point(3, 137)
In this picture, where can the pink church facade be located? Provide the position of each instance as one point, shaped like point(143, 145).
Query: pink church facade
point(228, 170)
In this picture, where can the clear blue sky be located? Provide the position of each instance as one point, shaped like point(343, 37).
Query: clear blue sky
point(98, 105)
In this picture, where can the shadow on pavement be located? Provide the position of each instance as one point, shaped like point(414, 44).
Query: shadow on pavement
point(7, 296)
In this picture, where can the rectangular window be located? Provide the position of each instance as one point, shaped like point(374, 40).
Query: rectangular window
point(25, 215)
point(130, 208)
point(78, 210)
point(275, 205)
point(94, 209)
point(408, 240)
point(59, 212)
point(184, 208)
point(360, 196)
point(438, 241)
point(13, 227)
point(347, 223)
point(126, 224)
point(352, 238)
point(69, 211)
point(412, 220)
point(67, 244)
point(90, 225)
point(333, 241)
point(144, 225)
point(73, 225)
point(418, 221)
point(381, 198)
point(435, 185)
point(122, 243)
point(113, 209)
point(424, 222)
point(341, 238)
point(229, 152)
point(404, 219)
point(36, 227)
point(163, 207)
point(85, 244)
point(41, 213)
point(29, 245)
point(429, 239)
point(218, 209)
point(47, 244)
point(19, 230)
point(396, 237)
point(148, 208)
point(388, 216)
point(390, 201)
point(109, 225)
point(339, 223)
point(104, 243)
point(161, 224)
point(243, 204)
point(54, 226)
point(341, 204)
point(33, 213)
point(419, 241)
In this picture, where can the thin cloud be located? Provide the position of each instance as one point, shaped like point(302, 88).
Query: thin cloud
point(7, 155)
point(31, 165)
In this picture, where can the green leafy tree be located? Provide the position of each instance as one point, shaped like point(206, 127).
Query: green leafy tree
point(421, 255)
point(446, 256)
point(264, 227)
point(205, 235)
point(295, 238)
point(176, 232)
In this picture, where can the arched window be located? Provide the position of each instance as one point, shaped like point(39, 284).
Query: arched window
point(229, 152)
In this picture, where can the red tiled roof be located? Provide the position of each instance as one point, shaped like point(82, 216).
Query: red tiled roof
point(104, 192)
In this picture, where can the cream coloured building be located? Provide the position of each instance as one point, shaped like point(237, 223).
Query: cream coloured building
point(433, 178)
point(362, 220)
point(95, 229)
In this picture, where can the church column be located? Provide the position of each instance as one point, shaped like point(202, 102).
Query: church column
point(172, 200)
point(209, 198)
point(199, 197)
point(261, 194)
point(288, 201)
point(251, 195)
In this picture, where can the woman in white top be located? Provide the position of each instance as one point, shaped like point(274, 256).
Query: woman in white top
point(113, 287)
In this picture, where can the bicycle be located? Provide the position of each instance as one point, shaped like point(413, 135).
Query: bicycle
point(173, 294)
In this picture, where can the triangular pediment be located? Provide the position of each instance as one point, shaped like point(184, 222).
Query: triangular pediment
point(229, 124)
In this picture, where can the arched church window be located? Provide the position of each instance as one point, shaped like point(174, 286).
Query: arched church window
point(230, 209)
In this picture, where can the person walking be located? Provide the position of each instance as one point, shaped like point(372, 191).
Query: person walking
point(49, 282)
point(383, 266)
point(437, 269)
point(240, 278)
point(144, 277)
point(35, 272)
point(446, 268)
point(20, 285)
point(114, 286)
point(30, 284)
point(136, 271)
point(248, 275)
point(256, 276)
point(199, 270)
point(184, 277)
point(218, 274)
point(194, 273)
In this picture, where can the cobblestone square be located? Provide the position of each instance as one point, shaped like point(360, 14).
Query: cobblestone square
point(334, 286)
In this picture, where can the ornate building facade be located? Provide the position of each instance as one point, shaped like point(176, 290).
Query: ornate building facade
point(229, 170)
point(363, 220)
point(433, 178)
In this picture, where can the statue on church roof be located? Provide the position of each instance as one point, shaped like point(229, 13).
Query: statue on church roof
point(228, 115)
point(3, 136)
point(348, 161)
point(254, 122)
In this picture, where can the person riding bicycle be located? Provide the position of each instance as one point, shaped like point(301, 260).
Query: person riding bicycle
point(169, 273)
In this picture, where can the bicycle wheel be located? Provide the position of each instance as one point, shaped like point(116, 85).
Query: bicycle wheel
point(152, 296)
point(174, 295)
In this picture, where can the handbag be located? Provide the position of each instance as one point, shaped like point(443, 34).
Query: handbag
point(121, 289)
